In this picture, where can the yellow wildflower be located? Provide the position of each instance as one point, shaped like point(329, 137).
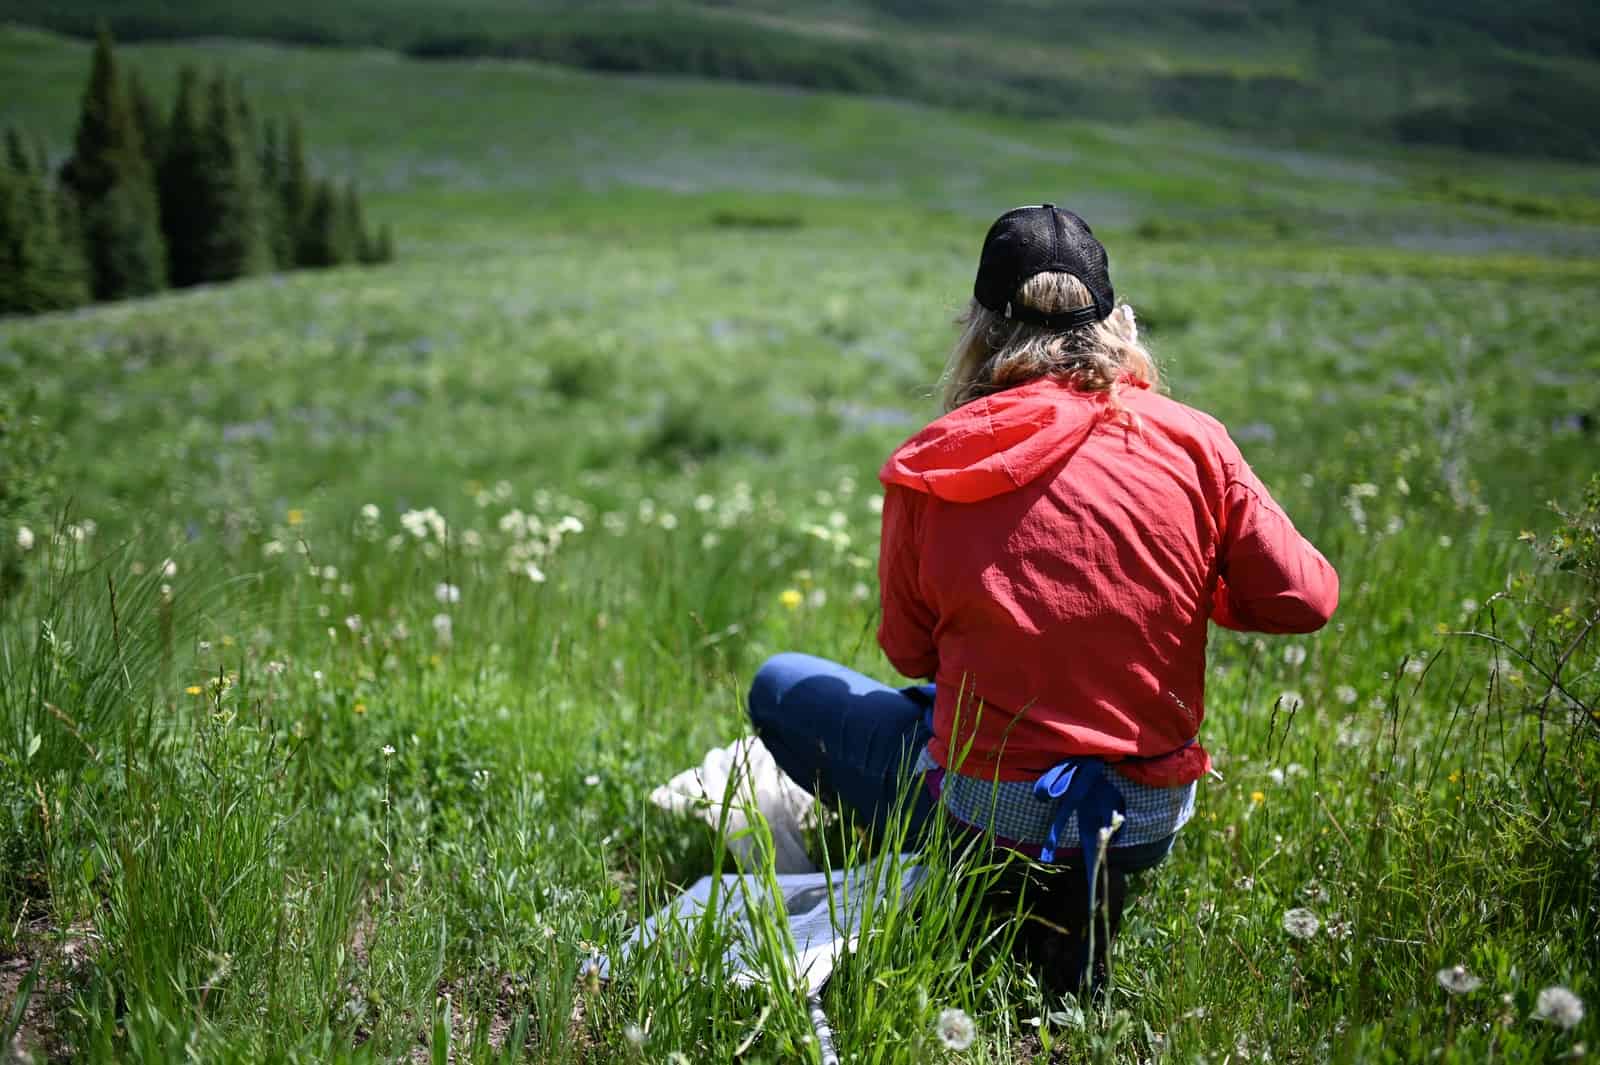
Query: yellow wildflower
point(360, 708)
point(1455, 776)
point(791, 598)
point(193, 689)
point(1257, 797)
point(295, 517)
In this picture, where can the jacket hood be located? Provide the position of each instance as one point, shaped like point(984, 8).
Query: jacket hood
point(998, 443)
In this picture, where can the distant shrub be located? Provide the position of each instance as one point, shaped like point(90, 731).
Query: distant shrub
point(737, 218)
point(678, 43)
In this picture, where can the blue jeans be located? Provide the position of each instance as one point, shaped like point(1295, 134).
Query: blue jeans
point(852, 741)
point(844, 737)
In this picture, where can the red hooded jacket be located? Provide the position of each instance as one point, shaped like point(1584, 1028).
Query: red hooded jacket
point(1053, 567)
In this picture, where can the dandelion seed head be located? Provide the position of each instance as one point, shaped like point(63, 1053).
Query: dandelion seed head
point(370, 512)
point(1301, 923)
point(1457, 980)
point(1294, 654)
point(445, 592)
point(169, 568)
point(955, 1029)
point(24, 538)
point(1345, 694)
point(1559, 1006)
point(1291, 701)
point(633, 1034)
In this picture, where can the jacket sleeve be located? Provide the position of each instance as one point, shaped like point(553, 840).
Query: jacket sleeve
point(1270, 578)
point(906, 630)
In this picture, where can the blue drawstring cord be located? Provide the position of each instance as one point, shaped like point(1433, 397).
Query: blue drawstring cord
point(1081, 786)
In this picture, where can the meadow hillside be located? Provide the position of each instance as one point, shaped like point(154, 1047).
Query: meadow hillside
point(1474, 74)
point(349, 617)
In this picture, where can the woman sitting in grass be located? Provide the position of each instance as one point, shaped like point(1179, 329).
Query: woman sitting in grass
point(1053, 548)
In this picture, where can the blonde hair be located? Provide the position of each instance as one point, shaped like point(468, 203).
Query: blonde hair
point(995, 353)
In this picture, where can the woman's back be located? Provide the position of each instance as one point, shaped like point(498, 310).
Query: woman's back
point(1062, 604)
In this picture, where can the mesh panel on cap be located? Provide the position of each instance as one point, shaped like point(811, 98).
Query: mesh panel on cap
point(1035, 240)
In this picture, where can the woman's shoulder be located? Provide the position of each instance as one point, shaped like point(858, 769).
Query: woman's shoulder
point(1175, 414)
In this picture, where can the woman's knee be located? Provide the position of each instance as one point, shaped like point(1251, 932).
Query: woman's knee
point(775, 677)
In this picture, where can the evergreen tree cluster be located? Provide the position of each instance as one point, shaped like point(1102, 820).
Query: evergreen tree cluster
point(203, 193)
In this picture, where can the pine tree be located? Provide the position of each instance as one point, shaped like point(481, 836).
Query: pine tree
point(279, 235)
point(358, 239)
point(182, 184)
point(40, 266)
point(383, 248)
point(152, 130)
point(19, 157)
point(16, 233)
point(328, 240)
point(296, 193)
point(235, 243)
point(116, 195)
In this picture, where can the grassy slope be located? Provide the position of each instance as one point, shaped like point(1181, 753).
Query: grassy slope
point(567, 319)
point(1505, 80)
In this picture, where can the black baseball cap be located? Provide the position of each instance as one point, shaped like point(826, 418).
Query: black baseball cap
point(1035, 240)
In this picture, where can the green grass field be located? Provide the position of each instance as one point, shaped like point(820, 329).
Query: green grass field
point(364, 608)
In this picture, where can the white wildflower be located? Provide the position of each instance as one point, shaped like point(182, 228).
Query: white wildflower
point(955, 1029)
point(272, 547)
point(592, 780)
point(1415, 666)
point(1294, 654)
point(1559, 1006)
point(1275, 775)
point(1345, 694)
point(533, 573)
point(1290, 701)
point(275, 668)
point(443, 628)
point(370, 512)
point(24, 538)
point(1457, 980)
point(447, 593)
point(1301, 923)
point(353, 622)
point(419, 523)
point(633, 1034)
point(169, 568)
point(330, 573)
point(388, 750)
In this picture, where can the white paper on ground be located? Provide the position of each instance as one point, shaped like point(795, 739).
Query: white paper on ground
point(819, 938)
point(745, 770)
